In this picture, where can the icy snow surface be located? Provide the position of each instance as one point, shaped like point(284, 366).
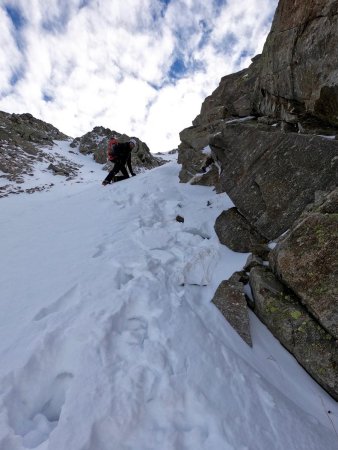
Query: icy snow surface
point(108, 338)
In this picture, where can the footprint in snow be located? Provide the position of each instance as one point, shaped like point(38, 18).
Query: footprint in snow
point(34, 411)
point(57, 305)
point(136, 331)
point(102, 249)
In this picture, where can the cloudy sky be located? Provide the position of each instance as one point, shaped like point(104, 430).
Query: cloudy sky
point(140, 67)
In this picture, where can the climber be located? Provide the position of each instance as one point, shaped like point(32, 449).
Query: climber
point(121, 157)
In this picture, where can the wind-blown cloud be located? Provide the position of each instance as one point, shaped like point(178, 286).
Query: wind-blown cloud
point(141, 67)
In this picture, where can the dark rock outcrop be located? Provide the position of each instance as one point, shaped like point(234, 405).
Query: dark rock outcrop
point(272, 176)
point(96, 142)
point(230, 299)
point(306, 259)
point(298, 77)
point(314, 348)
point(234, 231)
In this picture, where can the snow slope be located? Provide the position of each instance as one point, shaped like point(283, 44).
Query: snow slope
point(108, 339)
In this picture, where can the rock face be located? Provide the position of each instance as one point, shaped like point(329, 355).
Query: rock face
point(294, 83)
point(271, 176)
point(273, 133)
point(96, 142)
point(313, 347)
point(229, 298)
point(299, 65)
point(306, 259)
point(233, 98)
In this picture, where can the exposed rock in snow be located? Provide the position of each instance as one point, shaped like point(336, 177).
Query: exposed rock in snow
point(230, 300)
point(315, 349)
point(306, 259)
point(234, 231)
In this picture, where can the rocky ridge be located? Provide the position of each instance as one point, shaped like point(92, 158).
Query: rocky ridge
point(267, 136)
point(25, 144)
point(28, 148)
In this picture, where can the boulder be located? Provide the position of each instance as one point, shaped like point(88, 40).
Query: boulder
point(234, 231)
point(306, 259)
point(230, 299)
point(272, 176)
point(195, 137)
point(64, 169)
point(313, 347)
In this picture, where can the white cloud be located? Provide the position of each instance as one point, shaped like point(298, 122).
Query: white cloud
point(9, 53)
point(83, 63)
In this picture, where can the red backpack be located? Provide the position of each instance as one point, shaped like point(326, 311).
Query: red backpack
point(110, 150)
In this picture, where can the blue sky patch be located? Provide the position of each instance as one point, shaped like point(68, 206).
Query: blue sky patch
point(178, 69)
point(159, 14)
point(14, 79)
point(84, 3)
point(16, 76)
point(16, 16)
point(219, 5)
point(47, 97)
point(243, 55)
